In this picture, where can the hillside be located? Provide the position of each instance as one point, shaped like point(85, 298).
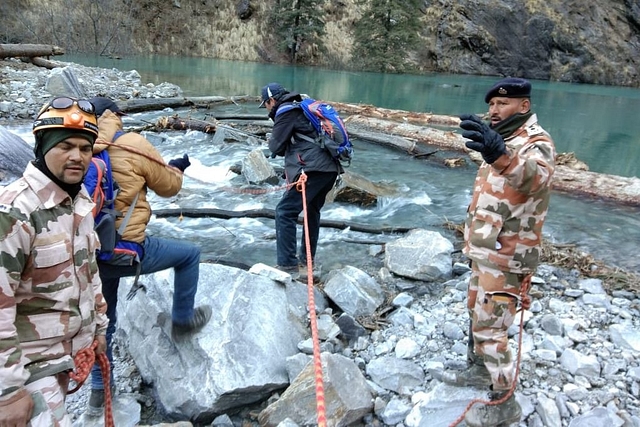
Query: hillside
point(569, 41)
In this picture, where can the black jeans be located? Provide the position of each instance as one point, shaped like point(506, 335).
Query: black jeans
point(317, 186)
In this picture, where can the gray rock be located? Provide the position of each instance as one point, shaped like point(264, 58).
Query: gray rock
point(580, 364)
point(351, 397)
point(597, 417)
point(354, 291)
point(250, 327)
point(395, 374)
point(421, 254)
point(15, 154)
point(625, 337)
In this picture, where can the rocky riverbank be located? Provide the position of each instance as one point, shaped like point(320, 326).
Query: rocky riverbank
point(581, 341)
point(24, 87)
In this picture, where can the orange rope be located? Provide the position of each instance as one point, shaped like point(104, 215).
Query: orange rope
point(525, 303)
point(317, 360)
point(84, 361)
point(141, 153)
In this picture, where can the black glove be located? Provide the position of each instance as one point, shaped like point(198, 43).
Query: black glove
point(483, 139)
point(181, 162)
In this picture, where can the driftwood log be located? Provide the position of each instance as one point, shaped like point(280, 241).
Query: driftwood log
point(41, 62)
point(154, 104)
point(271, 214)
point(613, 188)
point(29, 50)
point(396, 115)
point(176, 123)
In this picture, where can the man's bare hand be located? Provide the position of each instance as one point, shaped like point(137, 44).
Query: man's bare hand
point(102, 345)
point(16, 412)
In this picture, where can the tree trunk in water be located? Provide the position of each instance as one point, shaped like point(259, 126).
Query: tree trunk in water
point(566, 179)
point(270, 213)
point(176, 123)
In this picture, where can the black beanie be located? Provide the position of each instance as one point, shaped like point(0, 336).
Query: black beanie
point(49, 138)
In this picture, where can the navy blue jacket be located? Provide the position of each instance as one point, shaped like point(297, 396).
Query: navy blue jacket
point(298, 153)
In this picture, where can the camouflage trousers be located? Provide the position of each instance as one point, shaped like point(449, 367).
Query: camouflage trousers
point(48, 399)
point(492, 302)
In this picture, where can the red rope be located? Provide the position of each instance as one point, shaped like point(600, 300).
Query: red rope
point(84, 361)
point(141, 153)
point(525, 303)
point(317, 360)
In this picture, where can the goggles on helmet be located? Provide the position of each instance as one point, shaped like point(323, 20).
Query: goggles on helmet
point(60, 113)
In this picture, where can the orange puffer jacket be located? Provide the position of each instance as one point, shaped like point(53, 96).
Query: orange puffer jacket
point(137, 165)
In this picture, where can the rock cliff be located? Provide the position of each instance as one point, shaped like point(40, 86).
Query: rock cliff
point(559, 40)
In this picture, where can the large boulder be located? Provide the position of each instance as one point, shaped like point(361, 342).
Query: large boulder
point(15, 153)
point(237, 359)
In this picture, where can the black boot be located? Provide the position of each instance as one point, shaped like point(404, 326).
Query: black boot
point(474, 376)
point(494, 415)
point(201, 316)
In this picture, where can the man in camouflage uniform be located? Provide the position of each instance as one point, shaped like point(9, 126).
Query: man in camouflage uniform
point(51, 305)
point(502, 237)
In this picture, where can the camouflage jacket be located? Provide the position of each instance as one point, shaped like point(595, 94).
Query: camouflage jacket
point(504, 221)
point(51, 302)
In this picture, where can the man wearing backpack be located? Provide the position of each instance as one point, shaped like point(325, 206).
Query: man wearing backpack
point(291, 137)
point(138, 166)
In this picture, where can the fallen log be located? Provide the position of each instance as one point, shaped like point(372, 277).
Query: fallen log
point(29, 50)
point(176, 123)
point(41, 62)
point(394, 141)
point(271, 214)
point(397, 115)
point(153, 104)
point(613, 188)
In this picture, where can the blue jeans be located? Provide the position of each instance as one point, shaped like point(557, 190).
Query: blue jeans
point(287, 212)
point(159, 254)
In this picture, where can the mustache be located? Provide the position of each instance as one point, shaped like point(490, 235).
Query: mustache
point(75, 165)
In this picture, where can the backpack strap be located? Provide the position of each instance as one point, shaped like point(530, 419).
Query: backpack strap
point(286, 107)
point(319, 140)
point(127, 217)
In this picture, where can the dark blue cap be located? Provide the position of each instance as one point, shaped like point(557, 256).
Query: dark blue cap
point(511, 87)
point(102, 104)
point(272, 90)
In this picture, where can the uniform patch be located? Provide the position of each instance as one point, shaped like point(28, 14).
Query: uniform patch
point(535, 129)
point(5, 208)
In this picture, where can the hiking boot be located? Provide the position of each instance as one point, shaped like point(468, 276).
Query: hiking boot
point(95, 407)
point(201, 316)
point(316, 272)
point(292, 270)
point(474, 376)
point(504, 414)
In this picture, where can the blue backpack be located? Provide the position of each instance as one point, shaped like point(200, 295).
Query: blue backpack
point(332, 133)
point(103, 189)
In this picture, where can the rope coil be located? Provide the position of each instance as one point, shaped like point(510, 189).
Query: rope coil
point(84, 361)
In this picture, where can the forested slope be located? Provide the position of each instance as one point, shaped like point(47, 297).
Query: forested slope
point(572, 41)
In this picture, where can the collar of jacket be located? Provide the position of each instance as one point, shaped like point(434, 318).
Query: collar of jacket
point(289, 97)
point(509, 125)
